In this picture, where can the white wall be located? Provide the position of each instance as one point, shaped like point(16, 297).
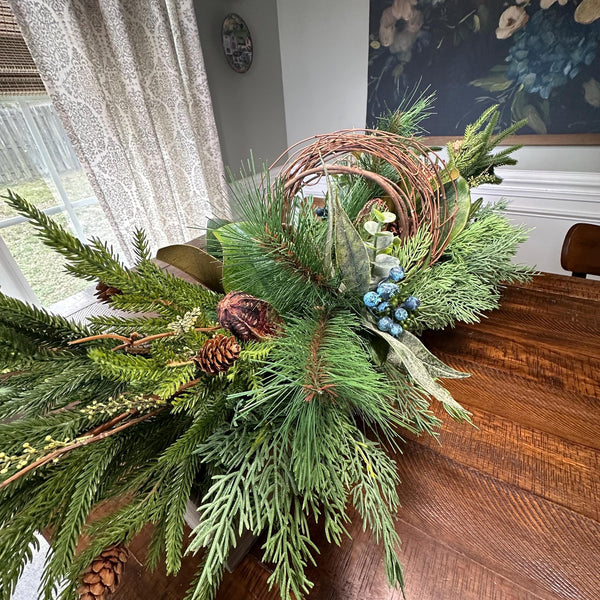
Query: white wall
point(324, 61)
point(249, 107)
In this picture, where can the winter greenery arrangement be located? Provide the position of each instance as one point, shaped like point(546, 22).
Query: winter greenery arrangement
point(279, 402)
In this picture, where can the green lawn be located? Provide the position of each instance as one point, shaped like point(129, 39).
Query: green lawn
point(43, 268)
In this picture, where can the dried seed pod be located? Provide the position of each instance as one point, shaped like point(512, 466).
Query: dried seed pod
point(247, 317)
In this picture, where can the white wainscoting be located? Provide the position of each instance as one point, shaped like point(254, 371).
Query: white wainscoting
point(549, 202)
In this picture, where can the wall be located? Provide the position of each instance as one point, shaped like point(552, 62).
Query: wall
point(249, 107)
point(324, 62)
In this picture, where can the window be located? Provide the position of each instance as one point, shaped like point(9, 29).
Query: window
point(38, 163)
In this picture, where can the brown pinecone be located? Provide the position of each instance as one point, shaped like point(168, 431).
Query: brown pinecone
point(218, 354)
point(105, 292)
point(102, 577)
point(247, 317)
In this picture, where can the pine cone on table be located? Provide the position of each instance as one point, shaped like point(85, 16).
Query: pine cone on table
point(103, 575)
point(105, 292)
point(218, 354)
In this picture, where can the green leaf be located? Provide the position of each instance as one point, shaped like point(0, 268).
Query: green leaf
point(383, 240)
point(475, 206)
point(213, 247)
point(231, 237)
point(458, 193)
point(371, 227)
point(378, 215)
point(350, 252)
point(496, 81)
point(383, 264)
point(534, 119)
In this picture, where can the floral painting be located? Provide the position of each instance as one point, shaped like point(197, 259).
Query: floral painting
point(536, 59)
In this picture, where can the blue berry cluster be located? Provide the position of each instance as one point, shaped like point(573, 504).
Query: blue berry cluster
point(386, 306)
point(552, 49)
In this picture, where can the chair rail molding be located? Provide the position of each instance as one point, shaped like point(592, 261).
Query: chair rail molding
point(548, 202)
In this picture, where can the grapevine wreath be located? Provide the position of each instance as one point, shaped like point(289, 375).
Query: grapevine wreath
point(278, 403)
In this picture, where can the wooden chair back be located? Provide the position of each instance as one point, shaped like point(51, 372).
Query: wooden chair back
point(581, 250)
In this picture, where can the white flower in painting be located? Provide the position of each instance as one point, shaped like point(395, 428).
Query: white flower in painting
point(403, 9)
point(387, 27)
point(513, 18)
point(591, 91)
point(587, 12)
point(544, 4)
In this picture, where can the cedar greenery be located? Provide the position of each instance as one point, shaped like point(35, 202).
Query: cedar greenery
point(302, 425)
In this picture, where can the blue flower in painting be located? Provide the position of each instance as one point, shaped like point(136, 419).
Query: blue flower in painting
point(551, 49)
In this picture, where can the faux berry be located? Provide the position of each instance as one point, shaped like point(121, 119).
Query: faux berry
point(372, 299)
point(412, 303)
point(396, 330)
point(387, 290)
point(381, 308)
point(321, 211)
point(396, 274)
point(400, 314)
point(385, 324)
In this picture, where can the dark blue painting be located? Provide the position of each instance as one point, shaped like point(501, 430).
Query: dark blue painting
point(536, 59)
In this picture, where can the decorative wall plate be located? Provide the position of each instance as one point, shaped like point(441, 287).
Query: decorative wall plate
point(237, 43)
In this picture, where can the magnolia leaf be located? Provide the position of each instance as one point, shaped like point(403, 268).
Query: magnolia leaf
point(372, 227)
point(403, 355)
point(458, 194)
point(195, 262)
point(350, 252)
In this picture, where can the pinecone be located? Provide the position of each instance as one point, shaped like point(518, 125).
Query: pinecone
point(218, 354)
point(105, 292)
point(247, 317)
point(102, 577)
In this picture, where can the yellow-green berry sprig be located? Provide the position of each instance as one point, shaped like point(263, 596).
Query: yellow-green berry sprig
point(29, 453)
point(122, 403)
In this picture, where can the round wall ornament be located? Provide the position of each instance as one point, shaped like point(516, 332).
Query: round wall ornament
point(237, 43)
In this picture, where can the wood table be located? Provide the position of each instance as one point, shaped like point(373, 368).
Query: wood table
point(508, 510)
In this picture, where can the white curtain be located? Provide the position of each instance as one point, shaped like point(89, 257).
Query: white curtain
point(128, 81)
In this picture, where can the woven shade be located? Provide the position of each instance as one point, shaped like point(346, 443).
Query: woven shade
point(18, 73)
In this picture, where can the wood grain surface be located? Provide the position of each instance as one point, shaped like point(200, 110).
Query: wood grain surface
point(506, 510)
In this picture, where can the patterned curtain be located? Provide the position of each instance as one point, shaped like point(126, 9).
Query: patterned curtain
point(128, 81)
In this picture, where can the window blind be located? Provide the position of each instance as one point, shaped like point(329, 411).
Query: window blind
point(18, 73)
